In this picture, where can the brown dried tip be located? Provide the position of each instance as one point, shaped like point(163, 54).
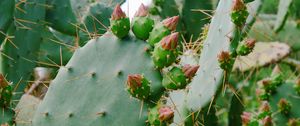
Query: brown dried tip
point(250, 43)
point(190, 71)
point(165, 113)
point(3, 81)
point(238, 5)
point(134, 81)
point(265, 107)
point(117, 13)
point(142, 11)
point(171, 23)
point(246, 118)
point(170, 42)
point(267, 121)
point(223, 56)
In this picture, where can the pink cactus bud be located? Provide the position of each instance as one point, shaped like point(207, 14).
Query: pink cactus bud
point(142, 11)
point(118, 13)
point(265, 107)
point(171, 23)
point(238, 5)
point(165, 113)
point(267, 121)
point(250, 43)
point(190, 71)
point(223, 56)
point(246, 118)
point(134, 81)
point(170, 42)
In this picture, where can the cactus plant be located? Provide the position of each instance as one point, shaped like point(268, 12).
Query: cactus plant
point(282, 14)
point(7, 10)
point(108, 108)
point(23, 52)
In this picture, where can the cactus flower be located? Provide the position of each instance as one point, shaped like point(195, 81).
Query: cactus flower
point(171, 23)
point(170, 42)
point(190, 71)
point(119, 23)
point(165, 113)
point(246, 118)
point(142, 24)
point(118, 13)
point(267, 121)
point(142, 11)
point(225, 60)
point(284, 106)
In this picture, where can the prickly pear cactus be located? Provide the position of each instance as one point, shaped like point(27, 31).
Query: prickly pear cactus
point(20, 56)
point(61, 17)
point(282, 14)
point(107, 60)
point(285, 102)
point(7, 11)
point(208, 79)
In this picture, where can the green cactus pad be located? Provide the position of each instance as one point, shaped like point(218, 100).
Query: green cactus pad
point(7, 116)
point(22, 55)
point(163, 58)
point(95, 22)
point(287, 92)
point(159, 31)
point(6, 11)
point(54, 52)
point(61, 17)
point(174, 79)
point(120, 27)
point(26, 109)
point(142, 26)
point(282, 14)
point(208, 79)
point(100, 86)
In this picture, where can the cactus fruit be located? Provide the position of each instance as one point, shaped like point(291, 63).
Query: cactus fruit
point(226, 61)
point(267, 121)
point(162, 29)
point(293, 122)
point(165, 52)
point(264, 110)
point(138, 86)
point(246, 47)
point(160, 115)
point(120, 24)
point(284, 106)
point(239, 13)
point(142, 23)
point(178, 78)
point(5, 92)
